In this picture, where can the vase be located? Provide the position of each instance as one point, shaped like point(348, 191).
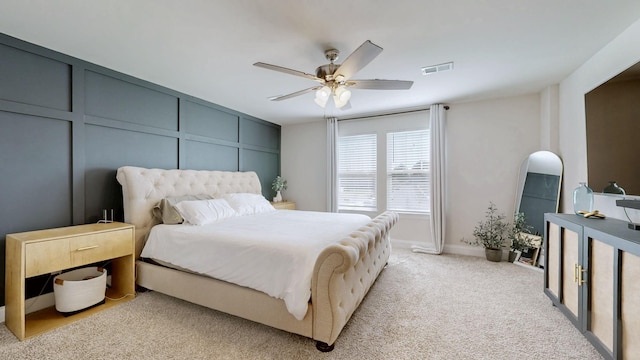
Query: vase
point(278, 197)
point(494, 255)
point(613, 188)
point(582, 199)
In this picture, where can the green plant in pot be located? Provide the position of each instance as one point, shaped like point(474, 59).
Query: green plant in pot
point(518, 235)
point(278, 185)
point(491, 233)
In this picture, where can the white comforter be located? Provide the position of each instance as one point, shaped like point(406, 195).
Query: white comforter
point(272, 252)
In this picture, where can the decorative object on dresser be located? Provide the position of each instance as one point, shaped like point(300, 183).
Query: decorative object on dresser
point(491, 233)
point(592, 214)
point(582, 199)
point(278, 185)
point(592, 267)
point(54, 250)
point(335, 273)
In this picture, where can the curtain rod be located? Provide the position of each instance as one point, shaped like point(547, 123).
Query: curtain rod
point(446, 107)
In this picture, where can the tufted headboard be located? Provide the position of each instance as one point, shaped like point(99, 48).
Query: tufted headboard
point(143, 188)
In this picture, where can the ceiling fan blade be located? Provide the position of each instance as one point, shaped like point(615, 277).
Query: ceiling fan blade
point(294, 94)
point(289, 71)
point(358, 59)
point(377, 84)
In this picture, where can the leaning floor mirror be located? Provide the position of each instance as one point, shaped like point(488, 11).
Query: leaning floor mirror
point(537, 193)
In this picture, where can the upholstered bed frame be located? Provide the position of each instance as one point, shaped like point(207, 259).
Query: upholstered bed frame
point(342, 276)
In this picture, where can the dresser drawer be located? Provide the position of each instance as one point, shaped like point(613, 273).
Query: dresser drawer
point(46, 257)
point(100, 246)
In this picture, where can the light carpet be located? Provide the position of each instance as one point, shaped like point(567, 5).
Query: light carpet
point(421, 307)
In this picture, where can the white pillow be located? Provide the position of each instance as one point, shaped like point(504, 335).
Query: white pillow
point(165, 211)
point(201, 212)
point(248, 204)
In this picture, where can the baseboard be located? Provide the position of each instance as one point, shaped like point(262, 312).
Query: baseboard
point(448, 249)
point(476, 251)
point(33, 304)
point(464, 250)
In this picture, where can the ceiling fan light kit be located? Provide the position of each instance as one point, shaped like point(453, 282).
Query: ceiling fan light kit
point(322, 96)
point(335, 79)
point(341, 96)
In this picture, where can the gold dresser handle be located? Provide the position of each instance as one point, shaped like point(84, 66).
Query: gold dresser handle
point(575, 272)
point(580, 279)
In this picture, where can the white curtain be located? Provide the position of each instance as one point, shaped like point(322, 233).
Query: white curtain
point(332, 164)
point(437, 180)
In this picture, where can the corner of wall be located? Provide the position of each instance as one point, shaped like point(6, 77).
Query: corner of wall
point(549, 118)
point(303, 152)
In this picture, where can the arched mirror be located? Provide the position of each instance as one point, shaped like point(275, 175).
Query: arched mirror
point(538, 189)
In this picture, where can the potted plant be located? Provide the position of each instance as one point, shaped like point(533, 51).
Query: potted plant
point(278, 185)
point(491, 233)
point(518, 235)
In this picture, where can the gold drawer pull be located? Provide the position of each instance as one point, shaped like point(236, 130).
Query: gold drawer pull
point(580, 279)
point(87, 248)
point(575, 272)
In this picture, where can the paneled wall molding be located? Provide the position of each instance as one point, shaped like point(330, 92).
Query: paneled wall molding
point(124, 125)
point(78, 160)
point(27, 109)
point(66, 125)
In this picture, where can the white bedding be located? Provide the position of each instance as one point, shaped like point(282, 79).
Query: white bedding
point(272, 252)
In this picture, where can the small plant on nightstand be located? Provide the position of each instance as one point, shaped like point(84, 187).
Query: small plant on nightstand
point(278, 185)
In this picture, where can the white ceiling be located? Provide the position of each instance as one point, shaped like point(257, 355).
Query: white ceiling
point(206, 48)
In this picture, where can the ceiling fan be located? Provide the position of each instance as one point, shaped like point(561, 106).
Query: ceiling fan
point(335, 79)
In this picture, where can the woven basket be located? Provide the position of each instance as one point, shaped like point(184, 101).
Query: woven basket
point(79, 289)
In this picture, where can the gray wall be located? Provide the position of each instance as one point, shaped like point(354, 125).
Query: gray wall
point(66, 126)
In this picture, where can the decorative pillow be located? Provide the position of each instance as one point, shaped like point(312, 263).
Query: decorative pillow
point(165, 210)
point(248, 204)
point(201, 212)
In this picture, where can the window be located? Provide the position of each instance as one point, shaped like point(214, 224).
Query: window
point(357, 172)
point(383, 164)
point(408, 171)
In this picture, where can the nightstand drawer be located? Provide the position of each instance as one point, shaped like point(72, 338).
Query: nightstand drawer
point(284, 205)
point(100, 246)
point(46, 257)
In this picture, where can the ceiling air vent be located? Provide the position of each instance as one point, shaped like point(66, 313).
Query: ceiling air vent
point(428, 70)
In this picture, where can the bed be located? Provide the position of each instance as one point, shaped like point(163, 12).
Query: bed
point(341, 271)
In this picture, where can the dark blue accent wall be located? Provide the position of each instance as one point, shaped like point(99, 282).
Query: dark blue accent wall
point(66, 125)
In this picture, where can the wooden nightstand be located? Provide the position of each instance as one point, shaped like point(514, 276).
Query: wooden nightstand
point(49, 251)
point(284, 205)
